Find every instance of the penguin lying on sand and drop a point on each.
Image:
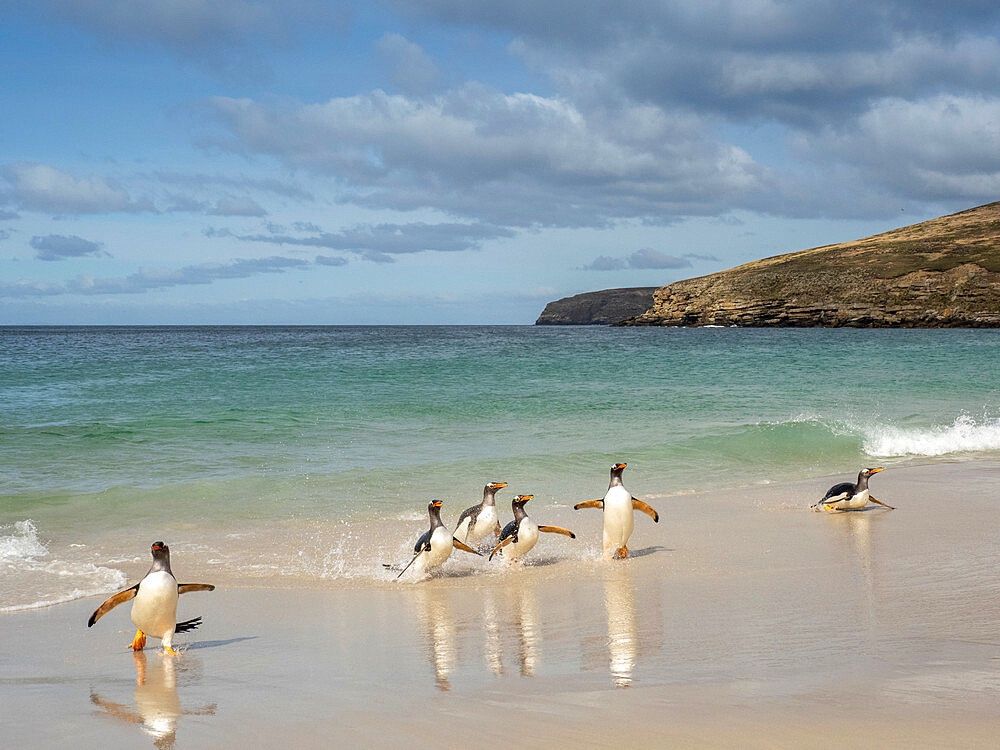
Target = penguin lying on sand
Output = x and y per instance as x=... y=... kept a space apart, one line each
x=850 y=496
x=154 y=609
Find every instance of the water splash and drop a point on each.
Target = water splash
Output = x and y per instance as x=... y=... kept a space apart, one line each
x=965 y=435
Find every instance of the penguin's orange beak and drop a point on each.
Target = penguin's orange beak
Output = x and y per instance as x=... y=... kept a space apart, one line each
x=499 y=485
x=616 y=467
x=876 y=471
x=437 y=503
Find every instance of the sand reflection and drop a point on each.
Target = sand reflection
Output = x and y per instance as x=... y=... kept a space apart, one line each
x=511 y=612
x=438 y=621
x=623 y=638
x=157 y=705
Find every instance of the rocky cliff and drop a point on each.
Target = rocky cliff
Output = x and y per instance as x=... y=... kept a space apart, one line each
x=942 y=273
x=597 y=308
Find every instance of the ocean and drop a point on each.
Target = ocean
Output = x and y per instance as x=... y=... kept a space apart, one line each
x=310 y=453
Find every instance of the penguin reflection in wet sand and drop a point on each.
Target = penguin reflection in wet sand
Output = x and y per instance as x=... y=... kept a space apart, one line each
x=479 y=520
x=521 y=534
x=619 y=522
x=154 y=609
x=850 y=496
x=435 y=545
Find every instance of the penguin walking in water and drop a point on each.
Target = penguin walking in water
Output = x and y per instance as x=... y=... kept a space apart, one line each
x=521 y=534
x=154 y=609
x=850 y=496
x=619 y=522
x=479 y=520
x=435 y=545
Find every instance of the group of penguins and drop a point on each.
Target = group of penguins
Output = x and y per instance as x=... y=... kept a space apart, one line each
x=520 y=535
x=154 y=598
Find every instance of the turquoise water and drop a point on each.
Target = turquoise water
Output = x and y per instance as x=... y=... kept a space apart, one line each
x=233 y=427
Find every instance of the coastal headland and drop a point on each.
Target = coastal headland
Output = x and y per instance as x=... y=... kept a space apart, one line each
x=942 y=273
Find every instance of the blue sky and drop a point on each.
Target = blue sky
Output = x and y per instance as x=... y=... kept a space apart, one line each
x=460 y=161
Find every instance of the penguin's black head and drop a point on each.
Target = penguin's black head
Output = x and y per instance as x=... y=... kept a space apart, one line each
x=868 y=472
x=521 y=499
x=160 y=550
x=617 y=469
x=494 y=486
x=435 y=506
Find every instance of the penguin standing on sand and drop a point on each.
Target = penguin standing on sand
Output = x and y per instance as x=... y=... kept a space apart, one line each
x=619 y=522
x=521 y=534
x=850 y=496
x=434 y=545
x=154 y=609
x=479 y=520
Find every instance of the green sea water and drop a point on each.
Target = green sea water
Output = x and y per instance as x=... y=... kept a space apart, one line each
x=245 y=427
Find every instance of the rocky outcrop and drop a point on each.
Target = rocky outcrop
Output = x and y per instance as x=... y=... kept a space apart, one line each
x=943 y=273
x=597 y=308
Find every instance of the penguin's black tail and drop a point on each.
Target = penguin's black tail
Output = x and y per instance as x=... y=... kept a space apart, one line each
x=183 y=627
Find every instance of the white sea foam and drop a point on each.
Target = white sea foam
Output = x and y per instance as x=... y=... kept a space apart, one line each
x=965 y=435
x=33 y=579
x=22 y=544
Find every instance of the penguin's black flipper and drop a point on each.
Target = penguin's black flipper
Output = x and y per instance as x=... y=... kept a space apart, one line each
x=183 y=627
x=183 y=588
x=645 y=508
x=589 y=504
x=109 y=604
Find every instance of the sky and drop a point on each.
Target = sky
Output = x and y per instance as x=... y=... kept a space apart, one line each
x=464 y=161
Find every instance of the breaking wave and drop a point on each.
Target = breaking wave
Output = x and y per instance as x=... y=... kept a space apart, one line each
x=965 y=435
x=32 y=578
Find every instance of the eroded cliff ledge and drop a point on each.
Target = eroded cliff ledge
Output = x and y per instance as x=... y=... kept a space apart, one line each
x=943 y=273
x=597 y=308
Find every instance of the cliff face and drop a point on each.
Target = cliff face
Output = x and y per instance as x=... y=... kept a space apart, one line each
x=597 y=308
x=937 y=274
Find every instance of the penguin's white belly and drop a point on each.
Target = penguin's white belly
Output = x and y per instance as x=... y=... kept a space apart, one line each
x=441 y=546
x=527 y=537
x=619 y=520
x=154 y=609
x=855 y=501
x=485 y=524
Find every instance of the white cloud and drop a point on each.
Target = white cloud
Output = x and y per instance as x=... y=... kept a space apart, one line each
x=39 y=187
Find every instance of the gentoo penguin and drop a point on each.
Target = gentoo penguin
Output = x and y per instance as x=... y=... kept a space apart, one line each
x=479 y=520
x=618 y=505
x=154 y=611
x=435 y=545
x=848 y=496
x=521 y=534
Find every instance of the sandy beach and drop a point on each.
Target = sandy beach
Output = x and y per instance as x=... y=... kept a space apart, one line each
x=742 y=620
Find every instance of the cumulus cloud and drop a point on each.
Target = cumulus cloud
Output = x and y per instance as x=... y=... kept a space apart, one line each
x=510 y=159
x=39 y=187
x=381 y=242
x=61 y=247
x=409 y=67
x=645 y=258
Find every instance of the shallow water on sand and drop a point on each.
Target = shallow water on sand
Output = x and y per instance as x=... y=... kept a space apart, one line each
x=312 y=452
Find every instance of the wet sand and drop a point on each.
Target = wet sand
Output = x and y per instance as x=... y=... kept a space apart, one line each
x=742 y=620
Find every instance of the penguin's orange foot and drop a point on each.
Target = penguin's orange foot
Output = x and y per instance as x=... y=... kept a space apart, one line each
x=139 y=642
x=169 y=650
x=622 y=553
